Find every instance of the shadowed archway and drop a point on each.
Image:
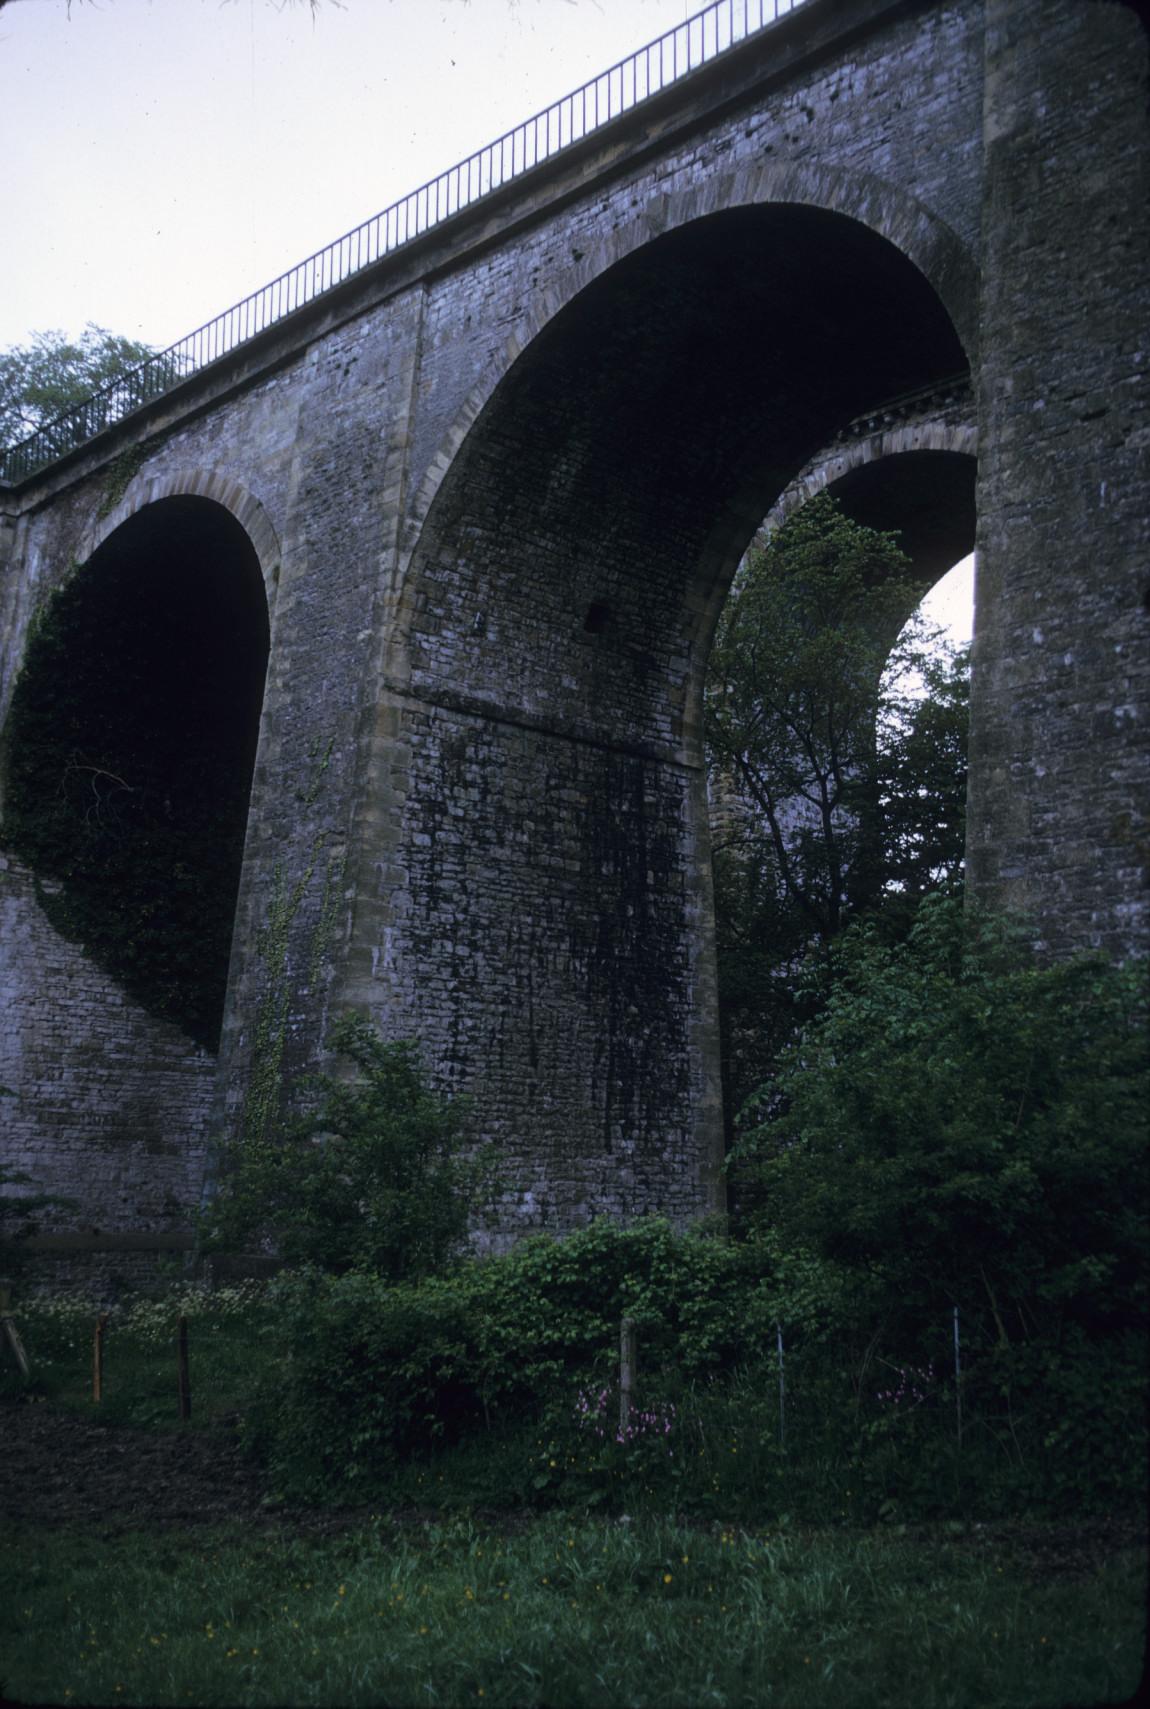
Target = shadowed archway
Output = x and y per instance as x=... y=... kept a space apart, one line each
x=130 y=750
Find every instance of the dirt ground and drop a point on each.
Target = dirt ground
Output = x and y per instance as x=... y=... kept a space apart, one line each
x=59 y=1469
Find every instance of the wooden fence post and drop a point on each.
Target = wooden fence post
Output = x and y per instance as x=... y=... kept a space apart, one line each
x=782 y=1389
x=183 y=1378
x=626 y=1374
x=98 y=1359
x=11 y=1333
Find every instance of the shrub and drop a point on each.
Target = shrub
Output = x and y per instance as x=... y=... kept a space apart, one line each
x=376 y=1178
x=965 y=1126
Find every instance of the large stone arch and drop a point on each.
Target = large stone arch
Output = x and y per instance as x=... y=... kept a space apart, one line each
x=110 y=1014
x=884 y=208
x=538 y=834
x=131 y=741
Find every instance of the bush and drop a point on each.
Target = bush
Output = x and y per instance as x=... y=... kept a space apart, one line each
x=377 y=1178
x=963 y=1126
x=375 y=1371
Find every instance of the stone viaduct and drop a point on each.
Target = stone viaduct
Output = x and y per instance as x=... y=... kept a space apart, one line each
x=412 y=594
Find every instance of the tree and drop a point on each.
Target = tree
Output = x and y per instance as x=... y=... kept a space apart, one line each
x=962 y=1125
x=836 y=790
x=52 y=374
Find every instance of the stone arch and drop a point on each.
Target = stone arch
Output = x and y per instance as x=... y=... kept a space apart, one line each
x=564 y=560
x=828 y=467
x=145 y=489
x=886 y=209
x=914 y=477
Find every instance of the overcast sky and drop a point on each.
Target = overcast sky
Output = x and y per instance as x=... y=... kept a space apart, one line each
x=163 y=158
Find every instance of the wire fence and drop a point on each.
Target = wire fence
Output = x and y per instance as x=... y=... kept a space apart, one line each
x=628 y=84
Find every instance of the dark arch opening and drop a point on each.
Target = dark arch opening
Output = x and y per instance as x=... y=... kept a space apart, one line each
x=130 y=750
x=926 y=497
x=635 y=446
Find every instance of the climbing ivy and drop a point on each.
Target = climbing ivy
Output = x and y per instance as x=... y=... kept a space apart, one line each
x=121 y=471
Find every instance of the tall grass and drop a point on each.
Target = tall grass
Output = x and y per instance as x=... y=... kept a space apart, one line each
x=559 y=1613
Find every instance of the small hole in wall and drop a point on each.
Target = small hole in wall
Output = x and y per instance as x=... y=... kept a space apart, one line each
x=598 y=617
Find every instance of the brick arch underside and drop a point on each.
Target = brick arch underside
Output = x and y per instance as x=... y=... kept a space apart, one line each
x=114 y=1097
x=555 y=935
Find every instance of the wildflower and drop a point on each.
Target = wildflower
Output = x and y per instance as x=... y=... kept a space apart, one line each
x=667 y=1578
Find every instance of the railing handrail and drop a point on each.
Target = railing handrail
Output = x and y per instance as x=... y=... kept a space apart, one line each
x=516 y=152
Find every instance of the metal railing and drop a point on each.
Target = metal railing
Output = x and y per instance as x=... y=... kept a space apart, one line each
x=694 y=43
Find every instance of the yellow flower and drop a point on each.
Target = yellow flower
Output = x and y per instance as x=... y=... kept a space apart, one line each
x=667 y=1578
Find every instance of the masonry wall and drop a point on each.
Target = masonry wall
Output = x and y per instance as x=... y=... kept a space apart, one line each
x=1060 y=758
x=126 y=1147
x=497 y=493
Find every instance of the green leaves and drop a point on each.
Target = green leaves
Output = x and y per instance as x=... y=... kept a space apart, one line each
x=836 y=789
x=969 y=1124
x=41 y=380
x=377 y=1177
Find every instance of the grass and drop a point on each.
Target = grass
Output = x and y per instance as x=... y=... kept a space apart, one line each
x=552 y=1611
x=559 y=1613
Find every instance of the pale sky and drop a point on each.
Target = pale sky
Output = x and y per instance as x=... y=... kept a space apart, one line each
x=163 y=158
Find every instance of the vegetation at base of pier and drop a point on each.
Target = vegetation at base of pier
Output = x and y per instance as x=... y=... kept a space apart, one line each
x=375 y=1177
x=811 y=1366
x=954 y=1148
x=807 y=1487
